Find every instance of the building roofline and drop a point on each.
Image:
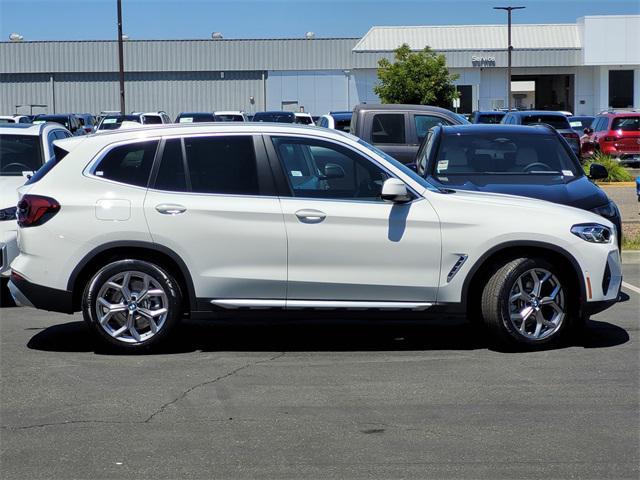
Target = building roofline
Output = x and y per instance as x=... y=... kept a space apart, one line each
x=221 y=40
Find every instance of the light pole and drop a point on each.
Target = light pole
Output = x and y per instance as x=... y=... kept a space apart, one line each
x=120 y=58
x=509 y=49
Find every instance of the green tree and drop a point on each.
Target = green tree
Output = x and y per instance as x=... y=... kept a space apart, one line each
x=418 y=78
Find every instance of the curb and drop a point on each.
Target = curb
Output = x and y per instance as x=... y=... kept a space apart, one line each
x=631 y=257
x=616 y=184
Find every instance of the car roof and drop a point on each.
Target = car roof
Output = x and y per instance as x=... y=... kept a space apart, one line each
x=274 y=112
x=482 y=128
x=28 y=128
x=490 y=112
x=523 y=113
x=400 y=106
x=249 y=128
x=621 y=114
x=581 y=116
x=195 y=113
x=340 y=115
x=228 y=112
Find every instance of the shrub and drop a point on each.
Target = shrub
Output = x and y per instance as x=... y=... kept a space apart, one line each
x=616 y=172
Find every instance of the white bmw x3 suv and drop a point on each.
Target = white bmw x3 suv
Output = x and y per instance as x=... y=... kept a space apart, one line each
x=141 y=228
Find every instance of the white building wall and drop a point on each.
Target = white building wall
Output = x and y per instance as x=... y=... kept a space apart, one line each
x=317 y=91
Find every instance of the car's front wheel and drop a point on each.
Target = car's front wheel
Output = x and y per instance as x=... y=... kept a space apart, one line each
x=132 y=304
x=527 y=302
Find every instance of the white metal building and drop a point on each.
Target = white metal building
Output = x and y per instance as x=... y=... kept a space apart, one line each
x=585 y=67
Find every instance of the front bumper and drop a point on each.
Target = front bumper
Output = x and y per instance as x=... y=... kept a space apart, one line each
x=29 y=294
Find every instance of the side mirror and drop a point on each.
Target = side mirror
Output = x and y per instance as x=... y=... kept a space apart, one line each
x=332 y=170
x=394 y=190
x=597 y=171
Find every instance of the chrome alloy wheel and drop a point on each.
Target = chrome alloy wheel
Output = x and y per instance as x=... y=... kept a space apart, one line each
x=131 y=307
x=537 y=304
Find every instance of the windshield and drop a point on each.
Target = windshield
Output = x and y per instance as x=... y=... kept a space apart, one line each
x=229 y=118
x=196 y=118
x=274 y=117
x=50 y=118
x=406 y=170
x=502 y=153
x=113 y=123
x=491 y=118
x=343 y=125
x=19 y=153
x=626 y=124
x=580 y=123
x=304 y=120
x=556 y=121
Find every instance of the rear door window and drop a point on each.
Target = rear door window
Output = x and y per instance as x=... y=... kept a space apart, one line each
x=425 y=122
x=222 y=164
x=388 y=128
x=626 y=124
x=130 y=163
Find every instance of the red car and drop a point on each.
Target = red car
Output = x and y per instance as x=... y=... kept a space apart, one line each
x=616 y=134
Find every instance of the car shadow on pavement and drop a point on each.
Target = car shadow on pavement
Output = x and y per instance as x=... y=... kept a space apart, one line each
x=315 y=335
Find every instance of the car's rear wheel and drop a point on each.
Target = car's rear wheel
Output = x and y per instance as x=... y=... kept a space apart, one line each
x=528 y=302
x=132 y=304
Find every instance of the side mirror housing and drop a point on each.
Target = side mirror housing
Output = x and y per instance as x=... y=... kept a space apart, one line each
x=333 y=170
x=597 y=171
x=394 y=190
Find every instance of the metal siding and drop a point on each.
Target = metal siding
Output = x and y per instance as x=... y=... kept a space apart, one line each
x=172 y=92
x=470 y=37
x=176 y=55
x=24 y=89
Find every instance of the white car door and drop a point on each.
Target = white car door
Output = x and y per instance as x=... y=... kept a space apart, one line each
x=345 y=244
x=209 y=203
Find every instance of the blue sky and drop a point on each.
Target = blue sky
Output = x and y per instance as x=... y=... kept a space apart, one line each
x=160 y=19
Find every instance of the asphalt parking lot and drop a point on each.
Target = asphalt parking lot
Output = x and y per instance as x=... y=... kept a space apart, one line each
x=296 y=399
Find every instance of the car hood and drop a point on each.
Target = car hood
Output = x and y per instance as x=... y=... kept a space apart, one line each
x=9 y=185
x=579 y=193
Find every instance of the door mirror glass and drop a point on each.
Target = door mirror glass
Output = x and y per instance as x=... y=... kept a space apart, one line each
x=333 y=170
x=394 y=190
x=597 y=171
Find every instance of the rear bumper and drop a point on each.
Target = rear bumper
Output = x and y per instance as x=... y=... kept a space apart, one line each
x=29 y=294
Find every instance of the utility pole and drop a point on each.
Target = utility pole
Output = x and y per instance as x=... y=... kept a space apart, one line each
x=509 y=48
x=121 y=58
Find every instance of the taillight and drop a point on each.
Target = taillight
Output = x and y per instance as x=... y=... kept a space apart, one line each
x=611 y=139
x=34 y=210
x=571 y=135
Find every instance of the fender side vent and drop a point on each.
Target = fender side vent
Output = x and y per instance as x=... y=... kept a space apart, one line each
x=457 y=266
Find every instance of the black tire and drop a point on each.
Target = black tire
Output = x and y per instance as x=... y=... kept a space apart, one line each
x=495 y=305
x=158 y=275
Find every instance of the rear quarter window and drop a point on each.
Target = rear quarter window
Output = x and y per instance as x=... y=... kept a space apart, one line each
x=130 y=164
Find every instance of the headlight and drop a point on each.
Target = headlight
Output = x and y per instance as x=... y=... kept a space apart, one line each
x=592 y=232
x=608 y=211
x=8 y=214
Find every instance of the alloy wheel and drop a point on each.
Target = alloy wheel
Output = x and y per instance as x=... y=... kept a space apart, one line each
x=537 y=304
x=131 y=307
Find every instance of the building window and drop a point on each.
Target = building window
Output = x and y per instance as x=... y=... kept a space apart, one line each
x=621 y=88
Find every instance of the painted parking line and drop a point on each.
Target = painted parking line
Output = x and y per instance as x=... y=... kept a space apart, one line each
x=633 y=288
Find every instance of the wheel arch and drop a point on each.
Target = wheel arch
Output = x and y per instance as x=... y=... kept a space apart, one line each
x=138 y=250
x=484 y=266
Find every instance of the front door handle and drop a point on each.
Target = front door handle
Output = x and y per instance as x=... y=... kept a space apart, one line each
x=171 y=208
x=310 y=216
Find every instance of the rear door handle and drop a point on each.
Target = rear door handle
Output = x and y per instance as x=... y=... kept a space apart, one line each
x=171 y=209
x=310 y=216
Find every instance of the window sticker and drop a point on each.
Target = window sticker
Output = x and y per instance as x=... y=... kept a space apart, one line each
x=110 y=120
x=296 y=173
x=186 y=120
x=567 y=173
x=443 y=165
